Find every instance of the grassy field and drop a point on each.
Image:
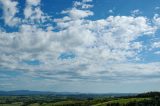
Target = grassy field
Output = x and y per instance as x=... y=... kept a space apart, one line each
x=122 y=101
x=64 y=103
x=13 y=104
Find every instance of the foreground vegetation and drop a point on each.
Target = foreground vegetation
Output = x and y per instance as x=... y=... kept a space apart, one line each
x=146 y=99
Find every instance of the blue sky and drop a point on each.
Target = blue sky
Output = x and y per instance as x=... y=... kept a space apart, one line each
x=92 y=46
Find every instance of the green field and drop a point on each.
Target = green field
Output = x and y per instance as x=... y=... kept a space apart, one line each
x=119 y=101
x=13 y=104
x=122 y=101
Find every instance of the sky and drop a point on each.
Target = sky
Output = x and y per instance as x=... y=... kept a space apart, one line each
x=88 y=46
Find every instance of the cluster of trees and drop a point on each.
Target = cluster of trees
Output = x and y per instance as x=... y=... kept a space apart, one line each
x=135 y=103
x=154 y=100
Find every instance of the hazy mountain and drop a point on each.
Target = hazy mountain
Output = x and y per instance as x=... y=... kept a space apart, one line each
x=28 y=92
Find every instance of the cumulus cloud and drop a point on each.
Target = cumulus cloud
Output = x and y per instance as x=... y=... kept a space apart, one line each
x=76 y=13
x=83 y=5
x=32 y=11
x=101 y=49
x=10 y=10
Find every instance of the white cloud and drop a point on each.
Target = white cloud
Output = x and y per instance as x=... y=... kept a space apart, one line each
x=86 y=6
x=33 y=2
x=82 y=5
x=137 y=45
x=76 y=13
x=10 y=10
x=76 y=4
x=86 y=0
x=156 y=45
x=110 y=11
x=156 y=20
x=33 y=11
x=136 y=12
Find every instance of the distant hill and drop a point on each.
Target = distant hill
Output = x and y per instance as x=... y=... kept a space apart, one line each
x=149 y=94
x=23 y=92
x=72 y=94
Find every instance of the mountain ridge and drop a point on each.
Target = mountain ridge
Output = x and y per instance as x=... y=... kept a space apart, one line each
x=30 y=92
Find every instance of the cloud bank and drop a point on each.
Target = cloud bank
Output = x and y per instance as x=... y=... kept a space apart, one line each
x=77 y=48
